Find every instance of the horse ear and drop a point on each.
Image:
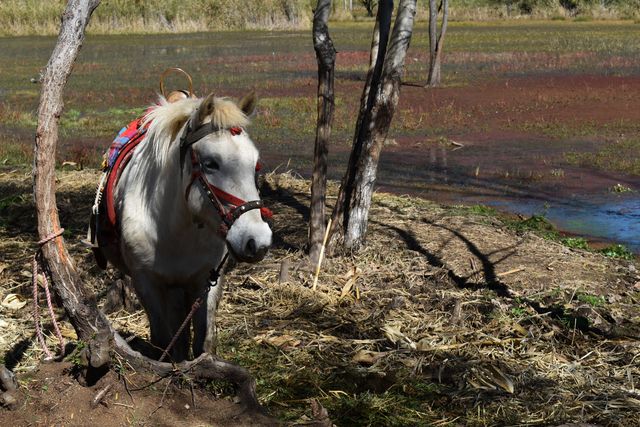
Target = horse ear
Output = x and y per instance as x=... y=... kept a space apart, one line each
x=206 y=108
x=248 y=103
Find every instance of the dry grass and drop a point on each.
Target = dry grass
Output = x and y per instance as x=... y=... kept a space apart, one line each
x=447 y=316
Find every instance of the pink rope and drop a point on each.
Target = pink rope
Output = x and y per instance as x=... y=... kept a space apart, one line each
x=36 y=309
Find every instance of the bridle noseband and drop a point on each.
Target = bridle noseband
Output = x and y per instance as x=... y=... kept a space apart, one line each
x=216 y=195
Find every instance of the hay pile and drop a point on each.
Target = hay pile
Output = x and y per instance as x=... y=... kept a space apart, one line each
x=446 y=317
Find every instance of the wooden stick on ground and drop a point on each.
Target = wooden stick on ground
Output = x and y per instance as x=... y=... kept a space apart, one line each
x=506 y=273
x=321 y=256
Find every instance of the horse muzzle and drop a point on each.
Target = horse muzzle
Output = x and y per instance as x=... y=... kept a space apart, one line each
x=249 y=241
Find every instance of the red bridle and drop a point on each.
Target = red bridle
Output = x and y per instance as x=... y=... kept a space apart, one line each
x=220 y=197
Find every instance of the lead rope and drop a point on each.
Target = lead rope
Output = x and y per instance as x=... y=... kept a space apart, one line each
x=36 y=309
x=99 y=191
x=214 y=276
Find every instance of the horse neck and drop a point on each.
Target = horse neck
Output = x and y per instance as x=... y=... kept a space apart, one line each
x=163 y=193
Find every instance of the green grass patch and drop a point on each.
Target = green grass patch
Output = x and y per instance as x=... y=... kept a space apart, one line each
x=287 y=379
x=538 y=224
x=479 y=210
x=617 y=251
x=518 y=312
x=592 y=300
x=575 y=242
x=621 y=156
x=14 y=153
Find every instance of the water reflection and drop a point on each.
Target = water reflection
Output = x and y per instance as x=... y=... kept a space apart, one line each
x=509 y=177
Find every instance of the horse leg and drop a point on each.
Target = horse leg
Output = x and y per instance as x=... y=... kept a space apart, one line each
x=175 y=312
x=152 y=298
x=204 y=322
x=165 y=310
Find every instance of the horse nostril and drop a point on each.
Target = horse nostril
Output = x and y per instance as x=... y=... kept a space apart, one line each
x=251 y=249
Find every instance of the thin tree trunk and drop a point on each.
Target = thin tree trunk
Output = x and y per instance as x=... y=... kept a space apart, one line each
x=433 y=36
x=379 y=40
x=326 y=56
x=90 y=324
x=379 y=100
x=436 y=41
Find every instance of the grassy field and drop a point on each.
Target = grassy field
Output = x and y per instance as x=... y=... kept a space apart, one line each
x=539 y=105
x=35 y=17
x=116 y=76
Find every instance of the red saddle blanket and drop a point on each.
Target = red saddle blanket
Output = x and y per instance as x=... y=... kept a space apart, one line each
x=105 y=230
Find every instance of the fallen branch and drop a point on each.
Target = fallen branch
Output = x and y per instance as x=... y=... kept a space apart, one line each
x=99 y=397
x=8 y=385
x=205 y=367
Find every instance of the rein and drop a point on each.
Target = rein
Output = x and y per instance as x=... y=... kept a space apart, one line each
x=216 y=195
x=214 y=276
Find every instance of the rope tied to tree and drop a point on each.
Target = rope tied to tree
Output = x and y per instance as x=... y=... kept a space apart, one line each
x=37 y=259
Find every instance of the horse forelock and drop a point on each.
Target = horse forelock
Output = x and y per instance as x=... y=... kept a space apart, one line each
x=167 y=119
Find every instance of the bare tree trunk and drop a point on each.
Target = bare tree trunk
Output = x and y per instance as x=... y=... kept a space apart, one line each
x=433 y=36
x=436 y=41
x=379 y=100
x=326 y=56
x=90 y=324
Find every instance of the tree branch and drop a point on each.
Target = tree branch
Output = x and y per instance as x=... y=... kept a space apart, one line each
x=205 y=367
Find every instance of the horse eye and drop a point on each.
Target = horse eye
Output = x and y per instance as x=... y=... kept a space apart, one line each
x=211 y=164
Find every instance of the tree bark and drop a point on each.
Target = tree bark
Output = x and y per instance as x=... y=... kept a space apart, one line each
x=91 y=325
x=326 y=56
x=379 y=100
x=436 y=41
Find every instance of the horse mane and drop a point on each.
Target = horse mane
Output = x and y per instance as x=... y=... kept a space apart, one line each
x=166 y=119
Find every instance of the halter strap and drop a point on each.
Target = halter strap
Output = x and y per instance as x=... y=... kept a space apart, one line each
x=191 y=136
x=217 y=196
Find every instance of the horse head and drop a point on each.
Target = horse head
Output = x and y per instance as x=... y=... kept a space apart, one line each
x=219 y=163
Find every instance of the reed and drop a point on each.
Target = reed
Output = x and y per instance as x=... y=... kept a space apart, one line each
x=37 y=17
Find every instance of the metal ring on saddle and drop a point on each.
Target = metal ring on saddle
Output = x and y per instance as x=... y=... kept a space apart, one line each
x=176 y=70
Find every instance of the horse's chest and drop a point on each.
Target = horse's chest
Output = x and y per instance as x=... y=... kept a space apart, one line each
x=186 y=260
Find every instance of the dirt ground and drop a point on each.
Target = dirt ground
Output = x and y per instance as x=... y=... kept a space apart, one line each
x=51 y=396
x=449 y=316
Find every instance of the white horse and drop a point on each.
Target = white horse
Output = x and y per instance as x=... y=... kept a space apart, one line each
x=181 y=204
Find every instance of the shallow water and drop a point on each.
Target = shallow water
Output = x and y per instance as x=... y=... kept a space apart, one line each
x=613 y=218
x=527 y=176
x=522 y=177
